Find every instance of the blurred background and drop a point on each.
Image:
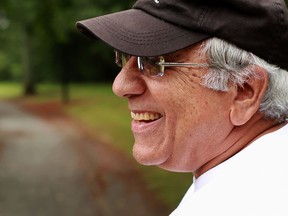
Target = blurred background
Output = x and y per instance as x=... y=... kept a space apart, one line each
x=61 y=127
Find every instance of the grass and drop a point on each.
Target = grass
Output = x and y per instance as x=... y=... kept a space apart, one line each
x=104 y=113
x=9 y=90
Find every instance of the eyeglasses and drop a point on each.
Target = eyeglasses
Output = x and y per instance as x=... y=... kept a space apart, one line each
x=151 y=66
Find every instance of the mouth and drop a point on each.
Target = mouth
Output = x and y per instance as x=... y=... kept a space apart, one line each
x=145 y=117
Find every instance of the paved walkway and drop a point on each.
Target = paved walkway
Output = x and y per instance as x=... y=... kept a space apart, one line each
x=48 y=170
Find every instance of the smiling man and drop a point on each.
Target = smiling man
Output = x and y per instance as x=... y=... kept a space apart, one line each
x=207 y=87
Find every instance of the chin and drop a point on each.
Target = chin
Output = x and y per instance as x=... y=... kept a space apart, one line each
x=174 y=168
x=149 y=156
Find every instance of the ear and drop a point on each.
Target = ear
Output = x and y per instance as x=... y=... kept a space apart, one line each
x=248 y=97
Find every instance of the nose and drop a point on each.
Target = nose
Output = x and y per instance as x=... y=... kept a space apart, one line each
x=129 y=81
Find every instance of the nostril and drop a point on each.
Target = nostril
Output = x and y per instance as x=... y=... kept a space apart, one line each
x=127 y=95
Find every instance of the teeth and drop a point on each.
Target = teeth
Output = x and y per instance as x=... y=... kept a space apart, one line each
x=145 y=116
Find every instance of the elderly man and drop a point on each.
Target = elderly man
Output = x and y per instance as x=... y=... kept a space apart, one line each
x=207 y=86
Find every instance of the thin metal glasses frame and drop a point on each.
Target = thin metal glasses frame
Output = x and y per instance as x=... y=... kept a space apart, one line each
x=152 y=66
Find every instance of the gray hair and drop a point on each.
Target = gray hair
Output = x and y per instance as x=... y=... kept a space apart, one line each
x=229 y=64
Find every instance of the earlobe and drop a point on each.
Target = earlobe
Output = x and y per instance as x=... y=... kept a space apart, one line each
x=248 y=97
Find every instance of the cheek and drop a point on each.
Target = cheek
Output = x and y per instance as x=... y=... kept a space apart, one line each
x=184 y=107
x=197 y=123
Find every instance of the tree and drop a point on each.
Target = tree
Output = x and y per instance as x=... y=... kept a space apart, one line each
x=21 y=17
x=48 y=44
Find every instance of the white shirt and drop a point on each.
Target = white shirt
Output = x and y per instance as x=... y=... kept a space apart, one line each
x=254 y=182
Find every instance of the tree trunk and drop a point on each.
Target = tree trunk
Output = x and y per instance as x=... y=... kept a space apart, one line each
x=28 y=79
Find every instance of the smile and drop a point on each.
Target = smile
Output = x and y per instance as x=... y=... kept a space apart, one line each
x=145 y=116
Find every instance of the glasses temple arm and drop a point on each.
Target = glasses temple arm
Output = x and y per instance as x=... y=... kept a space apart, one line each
x=175 y=64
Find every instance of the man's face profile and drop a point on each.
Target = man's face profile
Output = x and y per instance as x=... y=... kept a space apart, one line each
x=177 y=123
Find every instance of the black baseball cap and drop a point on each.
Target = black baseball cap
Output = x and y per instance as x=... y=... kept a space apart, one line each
x=158 y=27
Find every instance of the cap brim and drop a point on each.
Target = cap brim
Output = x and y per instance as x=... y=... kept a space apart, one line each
x=137 y=33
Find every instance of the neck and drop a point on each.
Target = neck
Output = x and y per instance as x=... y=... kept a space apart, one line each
x=239 y=138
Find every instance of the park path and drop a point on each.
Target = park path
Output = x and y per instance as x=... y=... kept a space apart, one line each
x=49 y=168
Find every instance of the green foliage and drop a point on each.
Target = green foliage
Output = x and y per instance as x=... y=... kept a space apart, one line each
x=40 y=37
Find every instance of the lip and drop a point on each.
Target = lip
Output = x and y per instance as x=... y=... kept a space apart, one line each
x=138 y=127
x=145 y=127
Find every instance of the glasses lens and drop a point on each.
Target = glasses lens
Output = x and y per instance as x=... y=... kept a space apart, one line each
x=151 y=66
x=121 y=58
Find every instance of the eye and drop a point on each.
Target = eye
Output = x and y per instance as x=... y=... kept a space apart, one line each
x=121 y=58
x=152 y=66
